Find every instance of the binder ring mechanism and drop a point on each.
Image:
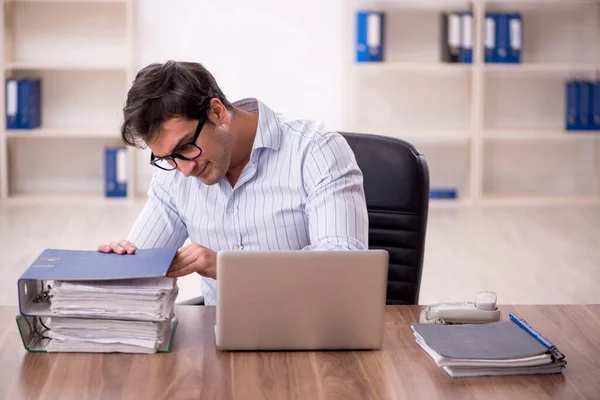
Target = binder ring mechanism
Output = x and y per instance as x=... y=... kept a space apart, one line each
x=38 y=330
x=44 y=295
x=37 y=327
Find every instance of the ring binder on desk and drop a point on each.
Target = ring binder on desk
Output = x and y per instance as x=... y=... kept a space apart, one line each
x=89 y=301
x=85 y=265
x=33 y=332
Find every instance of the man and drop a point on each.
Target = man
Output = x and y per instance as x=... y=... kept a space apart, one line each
x=235 y=176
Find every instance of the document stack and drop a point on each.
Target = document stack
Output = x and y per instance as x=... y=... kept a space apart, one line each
x=509 y=347
x=87 y=301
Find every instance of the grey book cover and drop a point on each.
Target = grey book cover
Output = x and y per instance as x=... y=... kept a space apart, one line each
x=492 y=341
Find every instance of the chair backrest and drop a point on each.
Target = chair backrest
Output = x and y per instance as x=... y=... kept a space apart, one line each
x=396 y=182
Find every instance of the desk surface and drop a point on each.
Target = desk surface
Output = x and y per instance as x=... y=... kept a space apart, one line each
x=195 y=369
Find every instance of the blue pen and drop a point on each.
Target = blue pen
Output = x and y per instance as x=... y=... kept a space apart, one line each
x=557 y=355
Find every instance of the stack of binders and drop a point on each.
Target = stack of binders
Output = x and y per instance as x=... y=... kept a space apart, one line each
x=457 y=37
x=503 y=38
x=509 y=347
x=582 y=111
x=87 y=301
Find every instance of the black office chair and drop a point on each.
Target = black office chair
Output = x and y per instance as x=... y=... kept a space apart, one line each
x=396 y=182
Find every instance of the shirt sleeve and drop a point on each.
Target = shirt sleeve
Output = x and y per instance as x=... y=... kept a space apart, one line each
x=159 y=223
x=336 y=205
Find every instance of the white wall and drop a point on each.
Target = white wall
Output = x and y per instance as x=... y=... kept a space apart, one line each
x=287 y=53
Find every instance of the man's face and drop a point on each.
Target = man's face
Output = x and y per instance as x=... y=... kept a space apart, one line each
x=215 y=141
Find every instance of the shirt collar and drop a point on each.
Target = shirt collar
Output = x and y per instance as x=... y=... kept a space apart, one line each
x=268 y=132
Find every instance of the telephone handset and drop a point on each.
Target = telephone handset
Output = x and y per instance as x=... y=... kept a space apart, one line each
x=481 y=311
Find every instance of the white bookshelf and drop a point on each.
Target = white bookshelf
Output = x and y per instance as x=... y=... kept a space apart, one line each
x=493 y=131
x=83 y=51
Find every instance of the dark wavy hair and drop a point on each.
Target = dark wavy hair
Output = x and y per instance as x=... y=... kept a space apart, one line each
x=163 y=91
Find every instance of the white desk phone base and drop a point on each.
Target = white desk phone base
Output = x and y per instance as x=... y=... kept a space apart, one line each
x=482 y=311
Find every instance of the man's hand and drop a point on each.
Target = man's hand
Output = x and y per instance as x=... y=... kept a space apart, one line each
x=122 y=247
x=194 y=258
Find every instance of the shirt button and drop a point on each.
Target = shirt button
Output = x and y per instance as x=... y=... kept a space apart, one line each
x=236 y=247
x=231 y=210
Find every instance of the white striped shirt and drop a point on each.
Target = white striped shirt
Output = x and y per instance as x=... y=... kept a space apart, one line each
x=302 y=189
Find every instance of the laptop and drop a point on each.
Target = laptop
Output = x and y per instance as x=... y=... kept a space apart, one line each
x=301 y=300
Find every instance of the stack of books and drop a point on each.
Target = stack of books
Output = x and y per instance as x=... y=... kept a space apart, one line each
x=87 y=301
x=508 y=347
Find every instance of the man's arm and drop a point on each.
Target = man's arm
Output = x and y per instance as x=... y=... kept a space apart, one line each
x=159 y=224
x=336 y=206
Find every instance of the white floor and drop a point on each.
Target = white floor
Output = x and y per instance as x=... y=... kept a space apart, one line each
x=534 y=255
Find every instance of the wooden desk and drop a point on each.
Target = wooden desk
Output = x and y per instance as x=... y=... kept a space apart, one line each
x=195 y=369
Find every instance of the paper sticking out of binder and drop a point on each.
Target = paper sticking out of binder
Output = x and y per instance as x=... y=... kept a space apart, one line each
x=88 y=301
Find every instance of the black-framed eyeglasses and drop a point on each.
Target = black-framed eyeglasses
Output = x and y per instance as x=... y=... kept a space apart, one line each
x=188 y=152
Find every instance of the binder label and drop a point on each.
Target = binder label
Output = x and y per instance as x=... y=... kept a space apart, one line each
x=467 y=31
x=121 y=166
x=373 y=31
x=490 y=33
x=11 y=98
x=515 y=33
x=454 y=30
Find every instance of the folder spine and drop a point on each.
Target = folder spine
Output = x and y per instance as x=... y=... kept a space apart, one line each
x=572 y=105
x=369 y=36
x=595 y=124
x=515 y=38
x=443 y=193
x=490 y=37
x=115 y=174
x=502 y=38
x=585 y=105
x=466 y=42
x=451 y=37
x=23 y=103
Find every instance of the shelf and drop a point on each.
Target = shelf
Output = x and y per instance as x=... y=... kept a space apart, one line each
x=64 y=34
x=488 y=67
x=536 y=200
x=419 y=133
x=59 y=199
x=450 y=203
x=540 y=67
x=541 y=134
x=83 y=133
x=50 y=66
x=83 y=53
x=413 y=66
x=513 y=142
x=428 y=5
x=533 y=3
x=71 y=1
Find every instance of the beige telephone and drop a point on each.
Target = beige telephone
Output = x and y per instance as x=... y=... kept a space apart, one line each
x=481 y=311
